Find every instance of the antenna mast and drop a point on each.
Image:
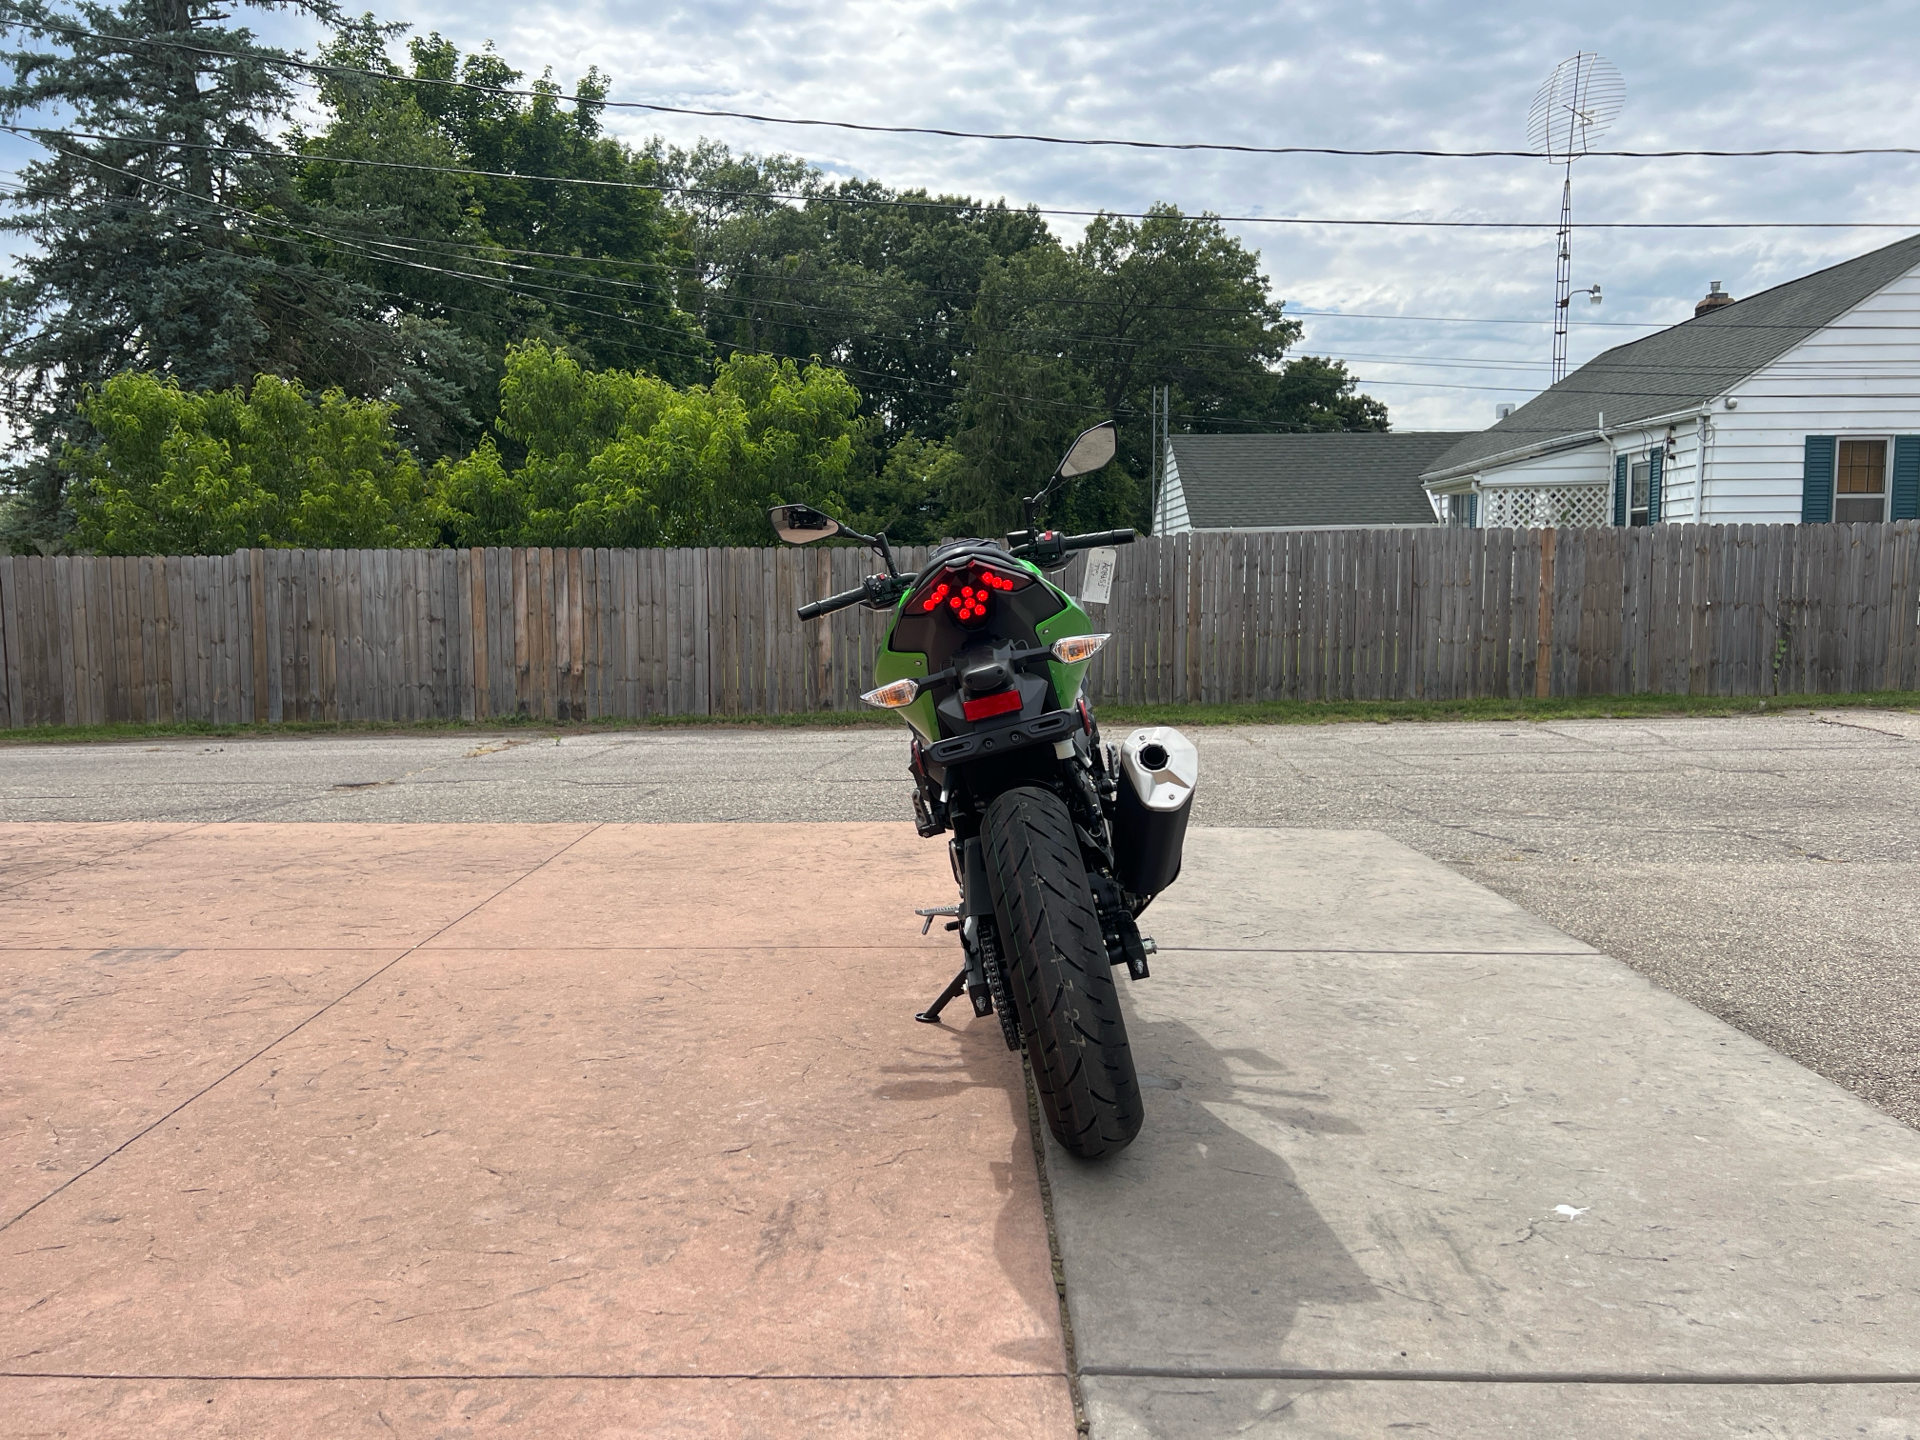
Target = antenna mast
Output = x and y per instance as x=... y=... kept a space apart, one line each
x=1581 y=98
x=1563 y=278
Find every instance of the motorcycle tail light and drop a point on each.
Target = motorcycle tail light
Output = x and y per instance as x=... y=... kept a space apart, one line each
x=892 y=697
x=965 y=592
x=1006 y=702
x=1076 y=648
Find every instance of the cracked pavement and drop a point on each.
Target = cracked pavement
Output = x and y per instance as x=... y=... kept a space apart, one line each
x=1763 y=868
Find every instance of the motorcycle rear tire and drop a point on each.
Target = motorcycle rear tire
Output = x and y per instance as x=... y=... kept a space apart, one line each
x=1062 y=977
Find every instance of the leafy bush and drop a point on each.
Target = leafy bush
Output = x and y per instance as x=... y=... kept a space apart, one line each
x=617 y=458
x=168 y=471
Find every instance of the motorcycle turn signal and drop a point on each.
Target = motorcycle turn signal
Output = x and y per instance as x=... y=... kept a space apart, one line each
x=1076 y=648
x=892 y=697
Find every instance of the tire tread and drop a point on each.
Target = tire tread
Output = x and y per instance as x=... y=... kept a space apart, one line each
x=1050 y=933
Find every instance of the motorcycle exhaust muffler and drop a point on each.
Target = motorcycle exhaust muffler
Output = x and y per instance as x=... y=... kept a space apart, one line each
x=1158 y=770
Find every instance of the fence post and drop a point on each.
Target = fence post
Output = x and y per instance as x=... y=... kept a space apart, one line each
x=1543 y=652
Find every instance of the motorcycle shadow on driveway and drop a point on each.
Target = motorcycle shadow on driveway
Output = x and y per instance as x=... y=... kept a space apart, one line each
x=1196 y=1247
x=968 y=1064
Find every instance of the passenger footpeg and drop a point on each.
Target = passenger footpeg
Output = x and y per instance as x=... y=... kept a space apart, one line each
x=933 y=912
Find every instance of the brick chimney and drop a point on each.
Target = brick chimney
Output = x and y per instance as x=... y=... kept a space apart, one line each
x=1713 y=299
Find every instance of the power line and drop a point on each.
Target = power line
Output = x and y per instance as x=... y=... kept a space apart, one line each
x=600 y=102
x=509 y=287
x=627 y=319
x=951 y=206
x=365 y=247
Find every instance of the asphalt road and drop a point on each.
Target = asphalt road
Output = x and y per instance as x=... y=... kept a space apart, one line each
x=1766 y=869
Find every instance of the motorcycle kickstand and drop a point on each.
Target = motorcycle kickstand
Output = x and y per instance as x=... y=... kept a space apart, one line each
x=931 y=1015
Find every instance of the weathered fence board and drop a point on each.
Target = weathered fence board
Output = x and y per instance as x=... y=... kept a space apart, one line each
x=577 y=634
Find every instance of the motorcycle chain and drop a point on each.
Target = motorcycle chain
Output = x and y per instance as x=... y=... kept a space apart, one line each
x=997 y=986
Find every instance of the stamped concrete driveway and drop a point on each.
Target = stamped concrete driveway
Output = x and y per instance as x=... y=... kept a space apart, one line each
x=567 y=1130
x=1765 y=869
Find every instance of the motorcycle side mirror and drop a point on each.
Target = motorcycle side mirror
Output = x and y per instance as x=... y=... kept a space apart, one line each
x=802 y=524
x=1093 y=449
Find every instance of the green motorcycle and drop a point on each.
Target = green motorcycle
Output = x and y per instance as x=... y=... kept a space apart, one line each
x=1058 y=842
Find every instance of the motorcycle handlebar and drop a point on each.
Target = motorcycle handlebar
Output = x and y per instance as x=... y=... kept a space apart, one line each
x=1048 y=549
x=841 y=601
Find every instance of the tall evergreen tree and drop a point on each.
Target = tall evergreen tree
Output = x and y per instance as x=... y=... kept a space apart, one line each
x=168 y=236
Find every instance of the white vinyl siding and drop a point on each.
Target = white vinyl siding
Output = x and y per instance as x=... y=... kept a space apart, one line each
x=1577 y=465
x=1860 y=376
x=1172 y=504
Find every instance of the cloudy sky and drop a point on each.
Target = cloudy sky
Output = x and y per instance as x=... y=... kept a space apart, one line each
x=1456 y=75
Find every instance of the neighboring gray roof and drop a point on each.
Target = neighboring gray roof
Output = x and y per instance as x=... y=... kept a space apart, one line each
x=1343 y=477
x=1689 y=364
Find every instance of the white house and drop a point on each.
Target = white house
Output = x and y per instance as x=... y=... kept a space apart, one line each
x=1799 y=404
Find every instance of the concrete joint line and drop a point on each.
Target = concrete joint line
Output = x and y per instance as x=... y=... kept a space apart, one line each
x=496 y=1377
x=99 y=859
x=1490 y=1377
x=346 y=994
x=1081 y=1423
x=1298 y=950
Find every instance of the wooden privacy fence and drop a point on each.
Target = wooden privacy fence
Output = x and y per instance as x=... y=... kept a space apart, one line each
x=275 y=635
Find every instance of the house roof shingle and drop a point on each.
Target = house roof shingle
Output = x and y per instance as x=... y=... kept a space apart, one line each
x=1689 y=364
x=1347 y=477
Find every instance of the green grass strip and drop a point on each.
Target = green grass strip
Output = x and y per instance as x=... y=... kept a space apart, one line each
x=1274 y=712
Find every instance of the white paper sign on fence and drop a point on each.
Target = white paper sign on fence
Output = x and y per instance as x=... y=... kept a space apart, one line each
x=1097 y=584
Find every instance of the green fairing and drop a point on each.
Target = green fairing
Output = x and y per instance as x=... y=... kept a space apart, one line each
x=1070 y=621
x=891 y=665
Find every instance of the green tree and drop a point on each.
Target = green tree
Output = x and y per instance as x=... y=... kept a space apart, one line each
x=169 y=236
x=1060 y=339
x=878 y=281
x=170 y=471
x=618 y=457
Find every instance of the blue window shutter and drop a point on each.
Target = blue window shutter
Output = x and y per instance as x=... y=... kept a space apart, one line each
x=1654 y=460
x=1473 y=511
x=1816 y=481
x=1620 y=490
x=1906 y=477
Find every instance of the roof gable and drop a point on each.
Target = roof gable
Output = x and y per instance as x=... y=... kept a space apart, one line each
x=1690 y=363
x=1268 y=482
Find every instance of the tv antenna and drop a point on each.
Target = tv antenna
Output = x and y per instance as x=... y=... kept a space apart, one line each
x=1581 y=98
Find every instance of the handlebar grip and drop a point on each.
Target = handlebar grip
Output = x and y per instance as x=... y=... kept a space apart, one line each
x=1104 y=537
x=841 y=601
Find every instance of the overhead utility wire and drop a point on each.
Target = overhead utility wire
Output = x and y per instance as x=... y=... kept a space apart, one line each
x=371 y=246
x=511 y=288
x=362 y=245
x=599 y=102
x=830 y=199
x=508 y=288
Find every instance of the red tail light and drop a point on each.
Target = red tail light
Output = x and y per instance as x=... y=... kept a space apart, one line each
x=988 y=705
x=965 y=591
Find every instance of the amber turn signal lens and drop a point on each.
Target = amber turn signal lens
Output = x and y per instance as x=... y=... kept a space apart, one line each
x=892 y=697
x=1076 y=648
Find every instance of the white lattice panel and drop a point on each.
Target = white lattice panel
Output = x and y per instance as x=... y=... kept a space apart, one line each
x=1556 y=505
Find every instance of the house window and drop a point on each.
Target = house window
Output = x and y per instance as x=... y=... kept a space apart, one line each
x=1639 y=490
x=1860 y=482
x=1461 y=508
